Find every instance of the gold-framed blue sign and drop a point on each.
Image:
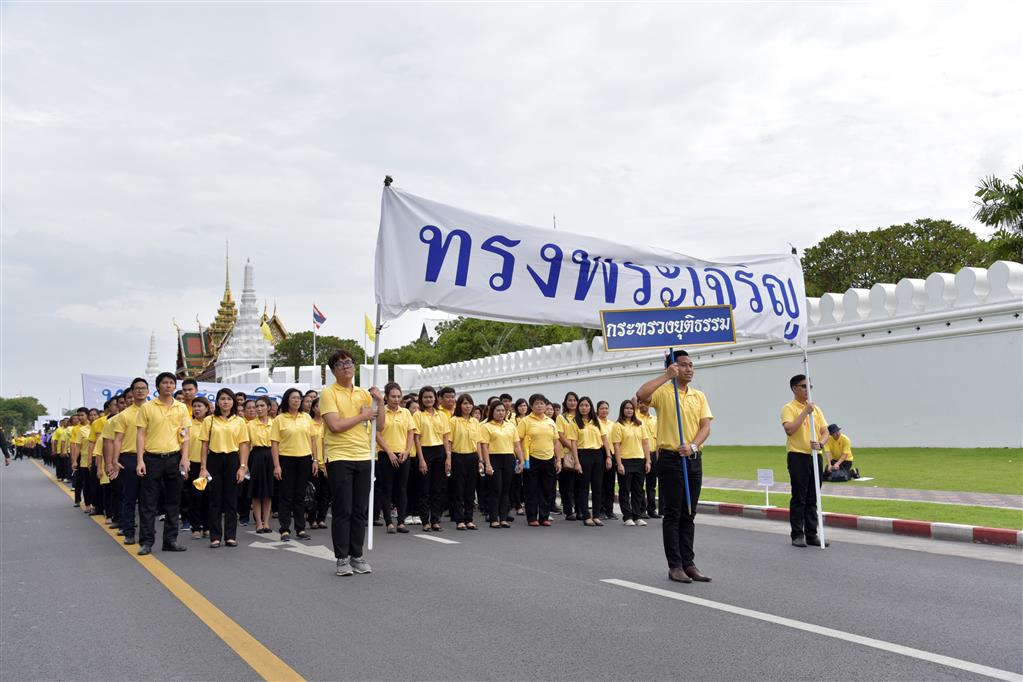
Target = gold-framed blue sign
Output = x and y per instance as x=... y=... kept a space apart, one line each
x=645 y=328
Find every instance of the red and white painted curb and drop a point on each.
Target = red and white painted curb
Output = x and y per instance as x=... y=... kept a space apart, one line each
x=878 y=524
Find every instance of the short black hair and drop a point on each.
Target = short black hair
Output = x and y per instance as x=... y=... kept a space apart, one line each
x=337 y=356
x=506 y=396
x=390 y=386
x=263 y=399
x=447 y=390
x=189 y=382
x=178 y=393
x=165 y=375
x=796 y=379
x=675 y=355
x=537 y=396
x=136 y=380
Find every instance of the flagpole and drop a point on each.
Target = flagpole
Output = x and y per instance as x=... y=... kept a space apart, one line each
x=317 y=382
x=681 y=435
x=813 y=453
x=372 y=436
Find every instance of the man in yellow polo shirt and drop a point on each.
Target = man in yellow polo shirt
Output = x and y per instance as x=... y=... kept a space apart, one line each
x=674 y=453
x=124 y=460
x=162 y=437
x=839 y=449
x=804 y=453
x=347 y=411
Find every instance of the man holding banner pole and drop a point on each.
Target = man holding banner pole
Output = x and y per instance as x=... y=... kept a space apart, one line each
x=806 y=431
x=681 y=410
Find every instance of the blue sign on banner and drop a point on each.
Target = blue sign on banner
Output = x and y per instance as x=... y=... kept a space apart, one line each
x=642 y=328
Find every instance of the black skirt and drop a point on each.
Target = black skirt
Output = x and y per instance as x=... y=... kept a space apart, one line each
x=261 y=470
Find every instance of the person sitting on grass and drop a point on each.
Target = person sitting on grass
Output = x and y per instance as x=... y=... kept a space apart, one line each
x=839 y=450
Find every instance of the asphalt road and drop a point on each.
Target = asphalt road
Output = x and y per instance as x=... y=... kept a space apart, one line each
x=524 y=603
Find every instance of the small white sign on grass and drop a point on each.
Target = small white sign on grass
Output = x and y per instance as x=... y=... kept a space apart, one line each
x=765 y=477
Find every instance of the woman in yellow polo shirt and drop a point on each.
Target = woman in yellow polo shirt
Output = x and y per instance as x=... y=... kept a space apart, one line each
x=292 y=448
x=517 y=495
x=464 y=463
x=568 y=479
x=198 y=505
x=607 y=491
x=502 y=459
x=433 y=443
x=543 y=455
x=632 y=457
x=317 y=515
x=394 y=447
x=592 y=452
x=224 y=456
x=261 y=465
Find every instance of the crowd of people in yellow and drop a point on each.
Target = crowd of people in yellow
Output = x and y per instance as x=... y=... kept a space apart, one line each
x=209 y=467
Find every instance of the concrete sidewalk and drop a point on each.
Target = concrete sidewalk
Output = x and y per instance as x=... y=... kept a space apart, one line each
x=866 y=491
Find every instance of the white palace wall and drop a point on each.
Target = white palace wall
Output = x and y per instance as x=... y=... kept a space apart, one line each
x=925 y=363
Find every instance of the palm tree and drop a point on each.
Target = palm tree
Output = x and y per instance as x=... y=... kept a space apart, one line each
x=1001 y=203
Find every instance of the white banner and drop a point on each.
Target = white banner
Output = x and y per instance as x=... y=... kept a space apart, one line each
x=98 y=388
x=430 y=255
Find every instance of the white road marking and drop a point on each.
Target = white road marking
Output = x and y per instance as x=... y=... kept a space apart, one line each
x=318 y=551
x=443 y=541
x=910 y=652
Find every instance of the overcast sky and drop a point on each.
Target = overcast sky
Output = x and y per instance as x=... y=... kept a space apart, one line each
x=137 y=138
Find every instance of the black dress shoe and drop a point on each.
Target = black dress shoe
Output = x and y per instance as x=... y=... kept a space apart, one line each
x=129 y=539
x=377 y=522
x=815 y=541
x=174 y=548
x=694 y=573
x=678 y=574
x=799 y=541
x=145 y=549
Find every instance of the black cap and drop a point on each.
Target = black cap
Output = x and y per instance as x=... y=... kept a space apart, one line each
x=833 y=429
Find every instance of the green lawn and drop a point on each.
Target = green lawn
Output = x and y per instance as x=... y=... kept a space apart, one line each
x=986 y=470
x=921 y=511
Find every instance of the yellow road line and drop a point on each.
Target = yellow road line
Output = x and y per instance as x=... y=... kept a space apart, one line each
x=266 y=664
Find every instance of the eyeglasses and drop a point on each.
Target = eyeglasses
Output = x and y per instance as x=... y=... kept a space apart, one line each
x=344 y=364
x=803 y=386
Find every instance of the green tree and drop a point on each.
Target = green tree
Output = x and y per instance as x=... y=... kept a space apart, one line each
x=18 y=415
x=297 y=350
x=887 y=254
x=1000 y=206
x=467 y=338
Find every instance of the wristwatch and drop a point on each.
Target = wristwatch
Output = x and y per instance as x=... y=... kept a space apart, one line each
x=695 y=449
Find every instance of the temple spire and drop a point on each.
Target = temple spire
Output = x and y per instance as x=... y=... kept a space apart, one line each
x=227 y=269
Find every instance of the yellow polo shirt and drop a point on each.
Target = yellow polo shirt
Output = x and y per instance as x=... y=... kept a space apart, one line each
x=259 y=433
x=164 y=425
x=629 y=438
x=317 y=431
x=127 y=424
x=800 y=440
x=432 y=427
x=537 y=436
x=224 y=435
x=650 y=424
x=84 y=452
x=500 y=438
x=396 y=428
x=694 y=408
x=98 y=427
x=465 y=434
x=292 y=434
x=567 y=427
x=58 y=439
x=589 y=437
x=194 y=444
x=836 y=447
x=353 y=445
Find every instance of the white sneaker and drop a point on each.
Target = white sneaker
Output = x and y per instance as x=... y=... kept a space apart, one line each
x=641 y=522
x=630 y=522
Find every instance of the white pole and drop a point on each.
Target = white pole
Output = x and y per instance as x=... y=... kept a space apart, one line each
x=767 y=496
x=813 y=454
x=316 y=383
x=372 y=437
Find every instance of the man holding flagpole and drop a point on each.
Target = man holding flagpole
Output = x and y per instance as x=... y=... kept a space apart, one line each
x=674 y=453
x=801 y=418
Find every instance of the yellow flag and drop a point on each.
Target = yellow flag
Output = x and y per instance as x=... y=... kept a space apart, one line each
x=266 y=332
x=371 y=332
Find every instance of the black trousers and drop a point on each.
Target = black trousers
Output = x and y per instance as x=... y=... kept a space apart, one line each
x=630 y=489
x=803 y=504
x=568 y=485
x=129 y=491
x=540 y=489
x=115 y=501
x=244 y=504
x=81 y=479
x=499 y=495
x=222 y=495
x=162 y=476
x=651 y=486
x=592 y=478
x=517 y=494
x=95 y=490
x=607 y=486
x=198 y=503
x=319 y=514
x=295 y=473
x=432 y=485
x=391 y=487
x=465 y=469
x=677 y=527
x=349 y=489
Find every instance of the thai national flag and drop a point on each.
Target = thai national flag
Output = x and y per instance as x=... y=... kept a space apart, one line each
x=318 y=317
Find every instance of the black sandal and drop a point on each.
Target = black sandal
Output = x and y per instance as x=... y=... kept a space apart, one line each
x=215 y=544
x=231 y=543
x=302 y=535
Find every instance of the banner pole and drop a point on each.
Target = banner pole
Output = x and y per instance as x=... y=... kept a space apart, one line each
x=813 y=453
x=681 y=435
x=316 y=384
x=372 y=438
